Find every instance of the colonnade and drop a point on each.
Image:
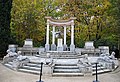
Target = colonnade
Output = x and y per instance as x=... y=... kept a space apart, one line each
x=59 y=23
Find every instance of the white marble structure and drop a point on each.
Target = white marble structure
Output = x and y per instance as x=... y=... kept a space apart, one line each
x=28 y=43
x=85 y=65
x=12 y=47
x=104 y=49
x=16 y=59
x=108 y=61
x=10 y=56
x=59 y=23
x=89 y=45
x=60 y=45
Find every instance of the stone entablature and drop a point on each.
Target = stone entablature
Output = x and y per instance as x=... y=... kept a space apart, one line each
x=60 y=22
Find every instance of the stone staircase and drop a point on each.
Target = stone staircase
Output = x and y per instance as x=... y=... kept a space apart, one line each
x=73 y=70
x=60 y=55
x=62 y=67
x=31 y=67
x=66 y=70
x=100 y=69
x=9 y=65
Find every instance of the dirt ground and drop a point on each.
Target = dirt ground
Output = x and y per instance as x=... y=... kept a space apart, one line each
x=8 y=75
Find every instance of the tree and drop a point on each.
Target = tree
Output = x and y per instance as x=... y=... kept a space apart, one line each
x=115 y=12
x=28 y=19
x=5 y=38
x=93 y=20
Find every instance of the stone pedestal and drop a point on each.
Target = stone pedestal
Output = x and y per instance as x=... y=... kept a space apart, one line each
x=28 y=43
x=60 y=45
x=13 y=47
x=53 y=47
x=47 y=47
x=65 y=48
x=89 y=45
x=72 y=47
x=88 y=71
x=104 y=49
x=47 y=70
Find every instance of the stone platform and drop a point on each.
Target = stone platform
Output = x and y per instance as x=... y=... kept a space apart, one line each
x=60 y=67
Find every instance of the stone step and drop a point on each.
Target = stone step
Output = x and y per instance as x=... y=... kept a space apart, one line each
x=31 y=68
x=35 y=62
x=98 y=68
x=66 y=71
x=67 y=74
x=101 y=71
x=65 y=64
x=29 y=71
x=94 y=65
x=66 y=67
x=9 y=65
x=65 y=57
x=33 y=65
x=60 y=55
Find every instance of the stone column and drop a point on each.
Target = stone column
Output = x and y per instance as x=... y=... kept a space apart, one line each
x=53 y=46
x=47 y=37
x=64 y=46
x=72 y=46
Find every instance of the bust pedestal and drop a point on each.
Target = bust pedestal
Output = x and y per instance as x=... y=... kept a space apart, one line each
x=72 y=47
x=60 y=45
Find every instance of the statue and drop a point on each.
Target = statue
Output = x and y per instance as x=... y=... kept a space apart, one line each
x=108 y=61
x=16 y=58
x=84 y=61
x=112 y=56
x=57 y=34
x=20 y=61
x=10 y=56
x=84 y=64
x=48 y=59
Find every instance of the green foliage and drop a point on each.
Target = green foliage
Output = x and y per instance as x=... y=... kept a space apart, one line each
x=28 y=19
x=93 y=22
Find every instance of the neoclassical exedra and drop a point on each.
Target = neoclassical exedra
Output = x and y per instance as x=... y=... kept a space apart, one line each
x=59 y=23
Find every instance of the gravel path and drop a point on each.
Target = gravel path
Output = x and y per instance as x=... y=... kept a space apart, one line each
x=8 y=75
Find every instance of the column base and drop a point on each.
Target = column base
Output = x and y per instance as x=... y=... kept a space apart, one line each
x=47 y=47
x=53 y=47
x=72 y=47
x=65 y=48
x=59 y=48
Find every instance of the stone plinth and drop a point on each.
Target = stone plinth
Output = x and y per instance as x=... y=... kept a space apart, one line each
x=60 y=45
x=47 y=47
x=72 y=47
x=28 y=43
x=104 y=49
x=89 y=45
x=65 y=47
x=13 y=47
x=47 y=70
x=53 y=47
